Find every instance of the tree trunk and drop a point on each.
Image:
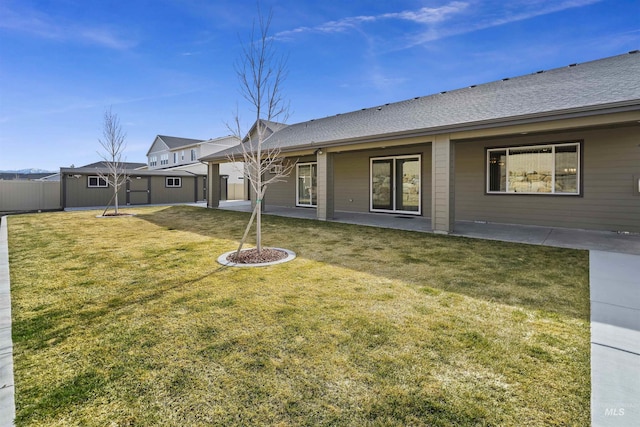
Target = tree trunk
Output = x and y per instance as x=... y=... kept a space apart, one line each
x=259 y=225
x=115 y=196
x=256 y=211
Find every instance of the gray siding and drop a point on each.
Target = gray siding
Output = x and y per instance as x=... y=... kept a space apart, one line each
x=351 y=182
x=284 y=193
x=610 y=198
x=77 y=193
x=351 y=179
x=160 y=194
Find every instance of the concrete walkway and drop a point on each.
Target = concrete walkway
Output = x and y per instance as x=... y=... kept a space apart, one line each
x=7 y=402
x=615 y=338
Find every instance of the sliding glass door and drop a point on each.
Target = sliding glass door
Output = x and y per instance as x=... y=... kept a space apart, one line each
x=395 y=184
x=306 y=183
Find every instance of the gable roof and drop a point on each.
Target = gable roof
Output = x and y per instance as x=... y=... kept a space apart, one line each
x=223 y=141
x=595 y=86
x=174 y=142
x=270 y=128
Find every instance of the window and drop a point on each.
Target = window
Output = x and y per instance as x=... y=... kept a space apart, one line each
x=96 y=182
x=175 y=157
x=182 y=155
x=173 y=182
x=538 y=169
x=307 y=184
x=395 y=184
x=164 y=159
x=193 y=155
x=153 y=161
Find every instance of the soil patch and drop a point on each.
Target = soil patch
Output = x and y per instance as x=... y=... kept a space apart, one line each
x=252 y=256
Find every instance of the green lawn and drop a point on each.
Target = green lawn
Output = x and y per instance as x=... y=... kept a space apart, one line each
x=131 y=322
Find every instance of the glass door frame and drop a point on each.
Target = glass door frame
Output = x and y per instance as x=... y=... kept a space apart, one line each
x=313 y=178
x=396 y=183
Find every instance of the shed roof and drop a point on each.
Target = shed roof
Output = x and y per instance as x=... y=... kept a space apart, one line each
x=130 y=172
x=578 y=88
x=126 y=165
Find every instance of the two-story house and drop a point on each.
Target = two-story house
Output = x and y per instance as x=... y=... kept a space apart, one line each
x=182 y=154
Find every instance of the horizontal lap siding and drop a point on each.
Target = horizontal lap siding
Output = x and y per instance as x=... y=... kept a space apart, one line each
x=284 y=193
x=351 y=183
x=161 y=194
x=351 y=179
x=79 y=194
x=611 y=158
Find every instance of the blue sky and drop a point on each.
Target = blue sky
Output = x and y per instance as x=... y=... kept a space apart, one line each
x=166 y=66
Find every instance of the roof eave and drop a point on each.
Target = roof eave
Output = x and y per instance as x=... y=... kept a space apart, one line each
x=581 y=112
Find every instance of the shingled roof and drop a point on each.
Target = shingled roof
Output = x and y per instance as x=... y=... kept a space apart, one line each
x=175 y=142
x=586 y=88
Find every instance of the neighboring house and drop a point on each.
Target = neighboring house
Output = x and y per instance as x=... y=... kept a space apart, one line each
x=268 y=129
x=173 y=153
x=552 y=148
x=83 y=187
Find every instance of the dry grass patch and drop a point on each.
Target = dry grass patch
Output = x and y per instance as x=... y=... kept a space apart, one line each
x=130 y=321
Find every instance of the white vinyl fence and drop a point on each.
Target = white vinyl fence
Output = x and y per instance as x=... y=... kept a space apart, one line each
x=235 y=192
x=29 y=196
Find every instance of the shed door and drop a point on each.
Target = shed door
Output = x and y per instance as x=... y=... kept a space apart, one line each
x=138 y=190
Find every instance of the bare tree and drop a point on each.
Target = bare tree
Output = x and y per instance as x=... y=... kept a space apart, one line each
x=113 y=146
x=261 y=74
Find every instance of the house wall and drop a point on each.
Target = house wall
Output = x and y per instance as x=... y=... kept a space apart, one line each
x=76 y=193
x=284 y=193
x=610 y=198
x=160 y=194
x=157 y=149
x=352 y=179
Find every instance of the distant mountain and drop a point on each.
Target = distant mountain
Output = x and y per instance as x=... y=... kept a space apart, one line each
x=26 y=171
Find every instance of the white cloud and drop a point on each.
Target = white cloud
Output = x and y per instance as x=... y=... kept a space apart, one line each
x=453 y=18
x=37 y=24
x=488 y=15
x=424 y=15
x=429 y=15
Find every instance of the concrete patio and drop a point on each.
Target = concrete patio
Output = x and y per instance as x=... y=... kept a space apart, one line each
x=535 y=235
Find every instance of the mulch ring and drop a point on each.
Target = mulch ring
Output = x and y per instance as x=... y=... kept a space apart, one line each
x=252 y=256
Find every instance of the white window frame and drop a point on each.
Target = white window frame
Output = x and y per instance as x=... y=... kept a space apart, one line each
x=153 y=161
x=175 y=158
x=164 y=159
x=176 y=182
x=305 y=205
x=276 y=169
x=193 y=155
x=551 y=146
x=100 y=182
x=395 y=187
